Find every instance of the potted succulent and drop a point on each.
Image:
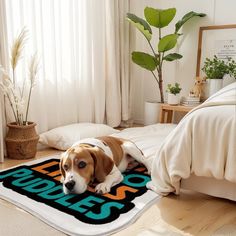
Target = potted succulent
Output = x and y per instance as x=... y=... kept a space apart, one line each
x=173 y=91
x=158 y=18
x=21 y=139
x=216 y=70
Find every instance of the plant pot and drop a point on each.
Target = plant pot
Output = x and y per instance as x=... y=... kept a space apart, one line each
x=21 y=141
x=214 y=85
x=227 y=79
x=151 y=113
x=173 y=99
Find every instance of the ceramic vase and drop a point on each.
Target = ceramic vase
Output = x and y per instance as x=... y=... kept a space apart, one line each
x=214 y=85
x=151 y=113
x=173 y=99
x=227 y=79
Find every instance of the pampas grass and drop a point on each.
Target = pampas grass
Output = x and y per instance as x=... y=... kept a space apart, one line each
x=17 y=48
x=33 y=70
x=11 y=89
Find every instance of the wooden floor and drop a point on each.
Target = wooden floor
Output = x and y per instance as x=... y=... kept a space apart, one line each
x=188 y=214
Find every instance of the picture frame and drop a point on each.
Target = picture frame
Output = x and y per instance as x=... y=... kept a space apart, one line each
x=219 y=40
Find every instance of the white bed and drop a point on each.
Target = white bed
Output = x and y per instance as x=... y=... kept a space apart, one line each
x=199 y=154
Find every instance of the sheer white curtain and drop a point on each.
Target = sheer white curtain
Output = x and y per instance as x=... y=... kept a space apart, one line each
x=84 y=59
x=2 y=124
x=4 y=60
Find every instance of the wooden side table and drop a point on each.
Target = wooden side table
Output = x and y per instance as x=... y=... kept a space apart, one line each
x=166 y=111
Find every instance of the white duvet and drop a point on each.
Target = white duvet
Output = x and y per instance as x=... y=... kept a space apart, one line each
x=204 y=144
x=148 y=139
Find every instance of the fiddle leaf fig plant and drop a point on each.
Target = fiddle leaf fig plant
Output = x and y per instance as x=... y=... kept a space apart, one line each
x=158 y=18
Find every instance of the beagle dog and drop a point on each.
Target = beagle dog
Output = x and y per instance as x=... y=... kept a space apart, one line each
x=97 y=159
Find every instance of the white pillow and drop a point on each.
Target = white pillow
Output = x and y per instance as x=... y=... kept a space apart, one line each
x=64 y=137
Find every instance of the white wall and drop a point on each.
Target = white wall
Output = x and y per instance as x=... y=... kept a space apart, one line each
x=143 y=85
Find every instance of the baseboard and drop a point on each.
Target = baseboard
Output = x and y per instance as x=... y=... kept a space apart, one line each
x=139 y=121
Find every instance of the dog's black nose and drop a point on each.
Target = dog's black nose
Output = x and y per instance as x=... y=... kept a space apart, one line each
x=70 y=185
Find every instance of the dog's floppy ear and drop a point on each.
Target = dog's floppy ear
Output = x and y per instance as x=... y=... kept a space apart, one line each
x=63 y=156
x=102 y=164
x=63 y=174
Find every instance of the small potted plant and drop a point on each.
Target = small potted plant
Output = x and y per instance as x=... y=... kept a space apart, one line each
x=173 y=94
x=21 y=139
x=215 y=70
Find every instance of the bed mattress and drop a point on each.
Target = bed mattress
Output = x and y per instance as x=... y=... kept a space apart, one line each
x=210 y=186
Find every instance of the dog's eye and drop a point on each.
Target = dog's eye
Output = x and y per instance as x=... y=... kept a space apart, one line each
x=66 y=167
x=82 y=164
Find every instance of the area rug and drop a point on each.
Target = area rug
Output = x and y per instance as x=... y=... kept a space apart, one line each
x=36 y=188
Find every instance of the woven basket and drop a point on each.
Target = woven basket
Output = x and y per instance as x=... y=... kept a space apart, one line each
x=21 y=141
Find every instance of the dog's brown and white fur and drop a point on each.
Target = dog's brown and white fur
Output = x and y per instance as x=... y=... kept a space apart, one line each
x=101 y=159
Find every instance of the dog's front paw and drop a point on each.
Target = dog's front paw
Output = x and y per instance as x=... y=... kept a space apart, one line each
x=102 y=188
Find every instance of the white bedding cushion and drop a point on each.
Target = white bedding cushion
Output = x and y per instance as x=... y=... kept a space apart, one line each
x=65 y=136
x=148 y=138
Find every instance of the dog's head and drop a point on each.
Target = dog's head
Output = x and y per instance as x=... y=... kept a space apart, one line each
x=81 y=165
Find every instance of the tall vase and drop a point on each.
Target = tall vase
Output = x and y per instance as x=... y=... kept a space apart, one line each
x=173 y=99
x=214 y=85
x=227 y=79
x=151 y=113
x=21 y=141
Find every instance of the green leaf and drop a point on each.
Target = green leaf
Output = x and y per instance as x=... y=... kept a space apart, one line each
x=141 y=25
x=159 y=18
x=172 y=57
x=185 y=18
x=144 y=60
x=168 y=42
